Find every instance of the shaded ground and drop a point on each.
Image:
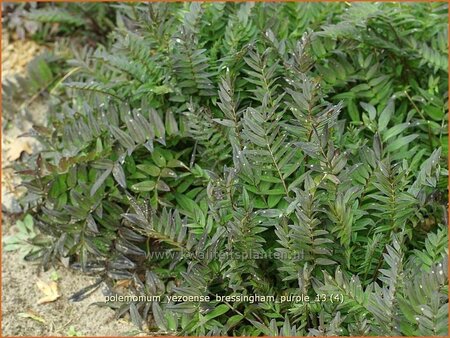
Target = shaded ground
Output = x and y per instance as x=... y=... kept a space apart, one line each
x=21 y=313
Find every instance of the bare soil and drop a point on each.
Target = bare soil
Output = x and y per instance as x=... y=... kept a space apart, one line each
x=20 y=296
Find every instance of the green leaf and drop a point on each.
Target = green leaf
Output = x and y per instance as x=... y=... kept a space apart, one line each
x=160 y=90
x=166 y=172
x=173 y=163
x=218 y=311
x=28 y=222
x=353 y=110
x=233 y=321
x=400 y=142
x=385 y=116
x=99 y=182
x=144 y=186
x=124 y=139
x=436 y=113
x=224 y=122
x=157 y=123
x=158 y=158
x=395 y=130
x=119 y=175
x=162 y=186
x=324 y=261
x=370 y=109
x=149 y=169
x=171 y=124
x=158 y=316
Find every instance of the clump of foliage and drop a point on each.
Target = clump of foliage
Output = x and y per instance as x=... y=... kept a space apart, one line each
x=14 y=18
x=46 y=21
x=256 y=149
x=26 y=239
x=65 y=29
x=21 y=90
